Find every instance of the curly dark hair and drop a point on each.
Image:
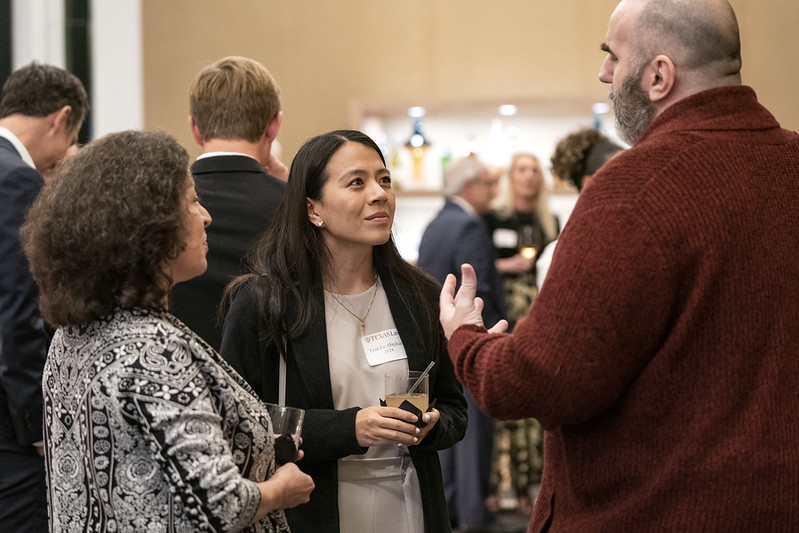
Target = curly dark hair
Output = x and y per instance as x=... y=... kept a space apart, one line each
x=98 y=235
x=580 y=154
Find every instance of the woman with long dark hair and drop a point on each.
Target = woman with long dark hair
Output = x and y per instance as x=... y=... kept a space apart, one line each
x=330 y=300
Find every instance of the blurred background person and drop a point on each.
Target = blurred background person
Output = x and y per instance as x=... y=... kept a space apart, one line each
x=518 y=460
x=457 y=235
x=147 y=428
x=41 y=111
x=326 y=283
x=235 y=116
x=577 y=157
x=520 y=230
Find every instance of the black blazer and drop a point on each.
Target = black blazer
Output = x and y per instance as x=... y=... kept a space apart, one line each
x=455 y=237
x=241 y=199
x=23 y=338
x=328 y=434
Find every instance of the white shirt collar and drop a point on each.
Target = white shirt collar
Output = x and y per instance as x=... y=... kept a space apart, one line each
x=215 y=154
x=23 y=152
x=466 y=206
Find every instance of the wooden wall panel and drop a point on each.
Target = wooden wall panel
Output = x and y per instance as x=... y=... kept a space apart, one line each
x=330 y=56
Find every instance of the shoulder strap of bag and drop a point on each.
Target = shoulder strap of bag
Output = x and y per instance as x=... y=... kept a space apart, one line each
x=281 y=392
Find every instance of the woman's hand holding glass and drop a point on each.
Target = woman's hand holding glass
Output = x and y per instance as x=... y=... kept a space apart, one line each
x=515 y=264
x=376 y=425
x=430 y=418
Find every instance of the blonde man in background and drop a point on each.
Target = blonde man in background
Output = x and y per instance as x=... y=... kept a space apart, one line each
x=235 y=116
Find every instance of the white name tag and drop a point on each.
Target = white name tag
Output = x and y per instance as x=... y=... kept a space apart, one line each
x=383 y=347
x=505 y=238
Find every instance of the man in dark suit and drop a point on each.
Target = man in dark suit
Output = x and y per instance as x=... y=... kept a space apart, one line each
x=235 y=116
x=459 y=235
x=41 y=111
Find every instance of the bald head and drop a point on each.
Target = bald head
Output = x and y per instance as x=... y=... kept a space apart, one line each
x=700 y=36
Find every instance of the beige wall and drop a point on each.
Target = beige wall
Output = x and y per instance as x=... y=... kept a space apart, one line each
x=333 y=58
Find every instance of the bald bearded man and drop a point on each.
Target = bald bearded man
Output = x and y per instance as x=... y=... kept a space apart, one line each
x=662 y=354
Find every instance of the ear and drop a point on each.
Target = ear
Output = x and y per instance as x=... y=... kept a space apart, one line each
x=274 y=126
x=313 y=213
x=195 y=132
x=60 y=117
x=659 y=78
x=466 y=190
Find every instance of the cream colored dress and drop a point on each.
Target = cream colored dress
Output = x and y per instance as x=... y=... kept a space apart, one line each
x=378 y=491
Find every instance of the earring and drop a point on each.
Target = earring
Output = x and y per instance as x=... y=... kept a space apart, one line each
x=320 y=223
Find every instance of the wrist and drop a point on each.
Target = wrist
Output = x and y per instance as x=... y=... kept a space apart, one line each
x=272 y=496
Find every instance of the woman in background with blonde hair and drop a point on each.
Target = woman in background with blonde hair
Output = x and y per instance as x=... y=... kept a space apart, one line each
x=519 y=232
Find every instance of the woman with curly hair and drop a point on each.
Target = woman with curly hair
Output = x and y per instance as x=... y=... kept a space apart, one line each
x=577 y=157
x=146 y=427
x=331 y=306
x=580 y=154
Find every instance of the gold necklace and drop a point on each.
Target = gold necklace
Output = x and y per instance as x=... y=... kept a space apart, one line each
x=347 y=309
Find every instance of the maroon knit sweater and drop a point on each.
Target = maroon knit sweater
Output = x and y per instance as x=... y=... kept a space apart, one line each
x=662 y=354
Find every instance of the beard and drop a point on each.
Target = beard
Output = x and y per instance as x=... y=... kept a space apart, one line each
x=632 y=107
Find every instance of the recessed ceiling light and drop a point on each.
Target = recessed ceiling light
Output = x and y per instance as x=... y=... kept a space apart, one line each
x=507 y=110
x=600 y=108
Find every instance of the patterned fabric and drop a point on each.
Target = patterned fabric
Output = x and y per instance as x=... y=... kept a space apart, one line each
x=148 y=429
x=518 y=456
x=520 y=292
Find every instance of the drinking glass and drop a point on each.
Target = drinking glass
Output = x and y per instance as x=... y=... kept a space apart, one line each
x=287 y=427
x=399 y=385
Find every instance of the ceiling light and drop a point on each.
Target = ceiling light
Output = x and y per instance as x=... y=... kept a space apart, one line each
x=600 y=108
x=507 y=110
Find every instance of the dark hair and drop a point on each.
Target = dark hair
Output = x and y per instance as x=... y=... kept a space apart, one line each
x=290 y=255
x=581 y=154
x=37 y=90
x=100 y=231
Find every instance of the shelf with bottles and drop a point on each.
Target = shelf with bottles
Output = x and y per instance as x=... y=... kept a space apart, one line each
x=418 y=141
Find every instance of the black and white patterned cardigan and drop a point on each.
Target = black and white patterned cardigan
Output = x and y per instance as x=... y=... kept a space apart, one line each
x=148 y=429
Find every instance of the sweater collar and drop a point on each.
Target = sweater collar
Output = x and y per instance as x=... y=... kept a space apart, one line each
x=717 y=109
